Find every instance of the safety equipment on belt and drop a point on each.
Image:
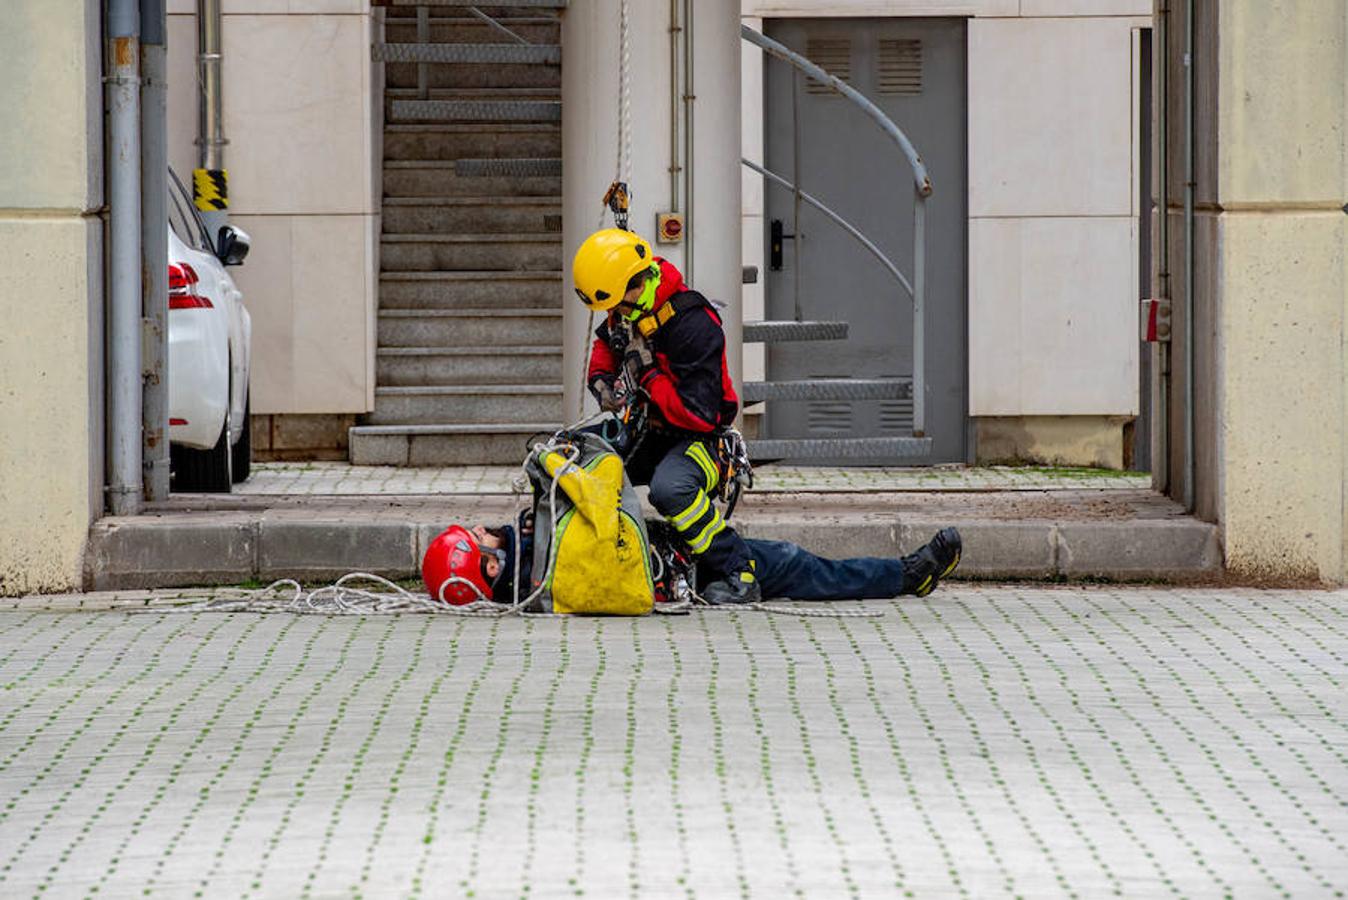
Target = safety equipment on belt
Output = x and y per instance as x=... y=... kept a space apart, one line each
x=454 y=567
x=605 y=263
x=638 y=360
x=734 y=467
x=648 y=325
x=609 y=401
x=591 y=551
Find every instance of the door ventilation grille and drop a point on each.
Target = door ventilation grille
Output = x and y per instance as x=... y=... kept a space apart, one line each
x=900 y=68
x=896 y=416
x=834 y=56
x=830 y=418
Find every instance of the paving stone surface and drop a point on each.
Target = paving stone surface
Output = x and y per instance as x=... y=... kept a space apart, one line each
x=990 y=741
x=345 y=479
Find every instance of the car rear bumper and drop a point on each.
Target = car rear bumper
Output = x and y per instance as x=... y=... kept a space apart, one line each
x=198 y=377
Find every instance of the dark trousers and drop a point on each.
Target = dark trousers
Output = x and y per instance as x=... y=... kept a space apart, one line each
x=682 y=473
x=786 y=570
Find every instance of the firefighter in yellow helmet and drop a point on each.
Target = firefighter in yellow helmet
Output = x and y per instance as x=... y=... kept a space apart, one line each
x=667 y=340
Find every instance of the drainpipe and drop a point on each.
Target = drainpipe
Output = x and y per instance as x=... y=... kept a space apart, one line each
x=1190 y=420
x=154 y=246
x=1161 y=69
x=124 y=318
x=690 y=165
x=210 y=187
x=674 y=105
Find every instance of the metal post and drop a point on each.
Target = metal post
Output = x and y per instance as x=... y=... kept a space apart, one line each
x=674 y=34
x=796 y=248
x=690 y=161
x=1161 y=109
x=919 y=316
x=154 y=246
x=1190 y=463
x=211 y=118
x=124 y=320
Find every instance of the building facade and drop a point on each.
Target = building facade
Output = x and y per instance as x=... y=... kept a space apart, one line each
x=1055 y=119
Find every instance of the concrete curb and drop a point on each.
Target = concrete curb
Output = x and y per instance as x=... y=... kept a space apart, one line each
x=232 y=546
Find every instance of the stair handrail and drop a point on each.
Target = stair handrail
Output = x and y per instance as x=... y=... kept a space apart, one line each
x=837 y=219
x=922 y=189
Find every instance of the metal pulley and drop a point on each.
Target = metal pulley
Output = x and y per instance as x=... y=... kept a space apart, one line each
x=617 y=198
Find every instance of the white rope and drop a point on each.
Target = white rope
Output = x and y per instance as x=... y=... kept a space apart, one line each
x=624 y=167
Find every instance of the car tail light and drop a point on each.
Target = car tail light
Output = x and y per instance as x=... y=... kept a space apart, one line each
x=183 y=288
x=177 y=421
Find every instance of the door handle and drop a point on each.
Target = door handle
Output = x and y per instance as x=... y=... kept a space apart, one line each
x=775 y=246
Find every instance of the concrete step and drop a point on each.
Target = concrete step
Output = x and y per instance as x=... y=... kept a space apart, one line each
x=829 y=389
x=445 y=445
x=469 y=327
x=466 y=404
x=492 y=54
x=470 y=290
x=476 y=75
x=778 y=332
x=482 y=141
x=472 y=215
x=428 y=366
x=439 y=252
x=457 y=26
x=437 y=178
x=233 y=538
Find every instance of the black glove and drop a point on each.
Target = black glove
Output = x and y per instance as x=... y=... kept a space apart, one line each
x=602 y=389
x=639 y=361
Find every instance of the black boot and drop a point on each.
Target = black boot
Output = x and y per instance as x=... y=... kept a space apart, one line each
x=738 y=587
x=936 y=559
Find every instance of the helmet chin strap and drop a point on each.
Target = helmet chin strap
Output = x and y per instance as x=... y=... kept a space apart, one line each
x=646 y=302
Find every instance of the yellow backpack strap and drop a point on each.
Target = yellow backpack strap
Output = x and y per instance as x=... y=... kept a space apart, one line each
x=650 y=323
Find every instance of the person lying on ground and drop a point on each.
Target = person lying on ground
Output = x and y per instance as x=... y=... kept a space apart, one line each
x=485 y=557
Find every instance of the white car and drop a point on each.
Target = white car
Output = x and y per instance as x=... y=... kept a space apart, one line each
x=209 y=336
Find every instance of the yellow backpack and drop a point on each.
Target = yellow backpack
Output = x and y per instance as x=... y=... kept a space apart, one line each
x=591 y=551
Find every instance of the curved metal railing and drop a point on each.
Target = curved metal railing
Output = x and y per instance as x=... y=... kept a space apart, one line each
x=922 y=189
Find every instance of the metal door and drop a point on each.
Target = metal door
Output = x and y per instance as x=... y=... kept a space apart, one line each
x=914 y=70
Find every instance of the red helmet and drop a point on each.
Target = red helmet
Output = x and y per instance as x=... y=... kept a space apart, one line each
x=453 y=567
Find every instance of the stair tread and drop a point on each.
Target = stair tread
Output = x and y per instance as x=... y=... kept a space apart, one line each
x=435 y=237
x=415 y=164
x=524 y=94
x=466 y=389
x=460 y=128
x=498 y=350
x=474 y=200
x=471 y=428
x=854 y=448
x=841 y=388
x=467 y=53
x=527 y=312
x=474 y=275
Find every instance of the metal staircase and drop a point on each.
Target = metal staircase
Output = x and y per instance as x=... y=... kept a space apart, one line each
x=915 y=446
x=821 y=389
x=469 y=359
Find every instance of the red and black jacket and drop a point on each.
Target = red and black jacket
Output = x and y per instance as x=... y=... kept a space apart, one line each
x=690 y=386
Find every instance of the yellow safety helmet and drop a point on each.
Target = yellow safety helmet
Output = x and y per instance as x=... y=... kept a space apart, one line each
x=604 y=265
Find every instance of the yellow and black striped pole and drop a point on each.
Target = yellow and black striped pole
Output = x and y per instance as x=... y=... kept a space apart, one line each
x=210 y=189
